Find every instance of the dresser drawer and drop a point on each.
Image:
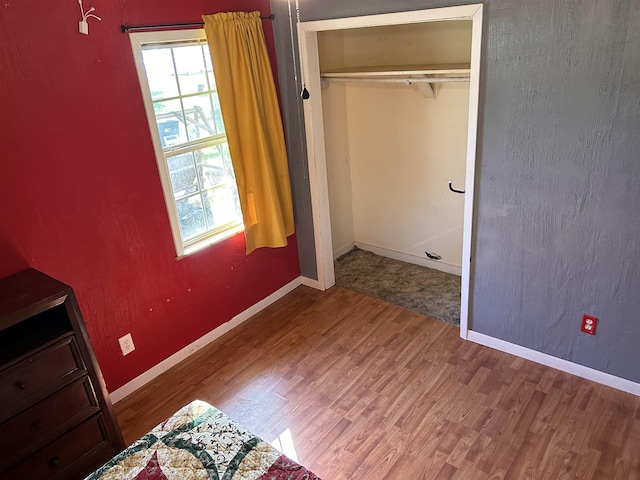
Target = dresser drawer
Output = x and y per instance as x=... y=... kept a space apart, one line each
x=47 y=419
x=37 y=375
x=70 y=456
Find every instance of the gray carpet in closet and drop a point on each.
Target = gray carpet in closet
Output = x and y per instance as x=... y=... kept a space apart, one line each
x=421 y=289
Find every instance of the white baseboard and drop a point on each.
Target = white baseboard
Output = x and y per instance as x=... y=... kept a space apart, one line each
x=342 y=250
x=557 y=363
x=203 y=341
x=409 y=258
x=511 y=348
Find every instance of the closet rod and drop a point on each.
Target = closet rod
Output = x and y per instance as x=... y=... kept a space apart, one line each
x=399 y=80
x=129 y=28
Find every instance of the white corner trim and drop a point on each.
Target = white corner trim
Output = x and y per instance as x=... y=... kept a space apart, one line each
x=557 y=363
x=203 y=341
x=310 y=282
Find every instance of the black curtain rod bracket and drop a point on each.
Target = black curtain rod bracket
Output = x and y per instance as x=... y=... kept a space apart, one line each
x=129 y=28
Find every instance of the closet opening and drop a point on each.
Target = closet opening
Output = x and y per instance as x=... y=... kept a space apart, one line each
x=391 y=135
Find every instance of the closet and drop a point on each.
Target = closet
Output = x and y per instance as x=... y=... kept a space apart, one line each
x=395 y=102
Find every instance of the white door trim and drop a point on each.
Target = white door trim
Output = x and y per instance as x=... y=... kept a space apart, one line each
x=308 y=42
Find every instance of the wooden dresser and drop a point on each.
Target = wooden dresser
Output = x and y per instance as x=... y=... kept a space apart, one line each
x=56 y=419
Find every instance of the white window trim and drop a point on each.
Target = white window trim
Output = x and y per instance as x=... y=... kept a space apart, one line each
x=138 y=41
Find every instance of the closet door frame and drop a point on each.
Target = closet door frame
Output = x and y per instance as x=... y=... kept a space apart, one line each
x=313 y=116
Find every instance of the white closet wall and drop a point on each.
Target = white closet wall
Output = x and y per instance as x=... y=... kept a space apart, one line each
x=336 y=128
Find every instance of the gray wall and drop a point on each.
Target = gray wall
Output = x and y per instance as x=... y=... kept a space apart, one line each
x=557 y=216
x=290 y=87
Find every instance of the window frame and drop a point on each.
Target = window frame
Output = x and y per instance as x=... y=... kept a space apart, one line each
x=139 y=40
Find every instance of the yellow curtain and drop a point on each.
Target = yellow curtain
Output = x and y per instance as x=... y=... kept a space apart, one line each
x=252 y=121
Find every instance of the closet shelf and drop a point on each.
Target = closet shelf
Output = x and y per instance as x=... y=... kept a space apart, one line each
x=423 y=77
x=409 y=73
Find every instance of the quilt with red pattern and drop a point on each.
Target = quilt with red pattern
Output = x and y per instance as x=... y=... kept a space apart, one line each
x=201 y=442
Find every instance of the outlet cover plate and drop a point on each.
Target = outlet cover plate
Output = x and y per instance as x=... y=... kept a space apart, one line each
x=126 y=344
x=588 y=324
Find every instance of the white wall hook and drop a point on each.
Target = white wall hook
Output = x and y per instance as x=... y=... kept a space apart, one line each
x=83 y=26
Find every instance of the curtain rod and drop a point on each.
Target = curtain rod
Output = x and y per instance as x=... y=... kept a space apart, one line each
x=128 y=28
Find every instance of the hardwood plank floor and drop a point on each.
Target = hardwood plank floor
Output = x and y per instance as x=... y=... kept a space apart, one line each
x=371 y=391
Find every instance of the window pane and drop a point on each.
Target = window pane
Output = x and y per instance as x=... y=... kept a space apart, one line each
x=182 y=172
x=192 y=73
x=227 y=159
x=217 y=113
x=199 y=117
x=162 y=78
x=170 y=124
x=207 y=60
x=191 y=216
x=211 y=167
x=222 y=206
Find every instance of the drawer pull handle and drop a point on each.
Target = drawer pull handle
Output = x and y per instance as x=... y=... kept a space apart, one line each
x=21 y=385
x=54 y=462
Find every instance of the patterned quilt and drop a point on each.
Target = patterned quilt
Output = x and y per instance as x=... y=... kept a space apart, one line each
x=201 y=442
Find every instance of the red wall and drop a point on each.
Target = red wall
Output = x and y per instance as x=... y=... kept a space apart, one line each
x=80 y=197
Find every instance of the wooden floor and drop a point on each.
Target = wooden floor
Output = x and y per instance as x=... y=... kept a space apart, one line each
x=372 y=391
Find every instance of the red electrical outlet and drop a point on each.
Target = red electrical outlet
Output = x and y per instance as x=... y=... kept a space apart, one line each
x=588 y=325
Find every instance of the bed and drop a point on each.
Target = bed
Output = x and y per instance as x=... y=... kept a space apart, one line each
x=201 y=442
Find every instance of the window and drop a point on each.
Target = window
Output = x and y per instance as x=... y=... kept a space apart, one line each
x=179 y=90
